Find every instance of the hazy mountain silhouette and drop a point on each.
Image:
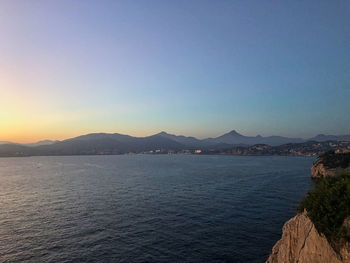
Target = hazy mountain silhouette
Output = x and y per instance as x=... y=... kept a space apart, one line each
x=106 y=143
x=44 y=142
x=5 y=142
x=234 y=138
x=323 y=137
x=189 y=141
x=11 y=149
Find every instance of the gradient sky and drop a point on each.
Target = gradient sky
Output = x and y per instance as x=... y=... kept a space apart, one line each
x=189 y=67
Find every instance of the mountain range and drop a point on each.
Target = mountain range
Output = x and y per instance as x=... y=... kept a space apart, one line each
x=107 y=143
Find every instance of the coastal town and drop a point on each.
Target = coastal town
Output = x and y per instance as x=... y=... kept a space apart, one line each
x=290 y=149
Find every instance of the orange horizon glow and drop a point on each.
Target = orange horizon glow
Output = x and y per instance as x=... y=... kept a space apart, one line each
x=69 y=68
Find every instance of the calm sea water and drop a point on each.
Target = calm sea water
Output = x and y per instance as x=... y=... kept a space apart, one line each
x=147 y=208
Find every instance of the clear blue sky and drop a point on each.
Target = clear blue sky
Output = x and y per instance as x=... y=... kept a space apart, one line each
x=189 y=67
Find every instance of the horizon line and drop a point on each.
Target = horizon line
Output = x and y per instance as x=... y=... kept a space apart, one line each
x=169 y=133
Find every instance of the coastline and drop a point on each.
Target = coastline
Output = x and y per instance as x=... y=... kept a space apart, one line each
x=305 y=238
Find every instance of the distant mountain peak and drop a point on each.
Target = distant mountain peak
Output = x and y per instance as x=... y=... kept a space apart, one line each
x=41 y=143
x=164 y=134
x=234 y=133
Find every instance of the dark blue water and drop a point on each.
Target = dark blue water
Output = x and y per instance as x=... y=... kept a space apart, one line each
x=147 y=208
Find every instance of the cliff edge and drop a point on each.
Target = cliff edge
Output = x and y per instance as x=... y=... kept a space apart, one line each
x=330 y=164
x=318 y=170
x=320 y=232
x=302 y=243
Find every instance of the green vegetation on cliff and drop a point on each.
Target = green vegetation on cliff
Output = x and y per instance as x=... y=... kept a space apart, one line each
x=331 y=159
x=328 y=205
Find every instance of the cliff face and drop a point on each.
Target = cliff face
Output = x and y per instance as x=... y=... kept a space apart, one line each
x=319 y=170
x=300 y=240
x=302 y=243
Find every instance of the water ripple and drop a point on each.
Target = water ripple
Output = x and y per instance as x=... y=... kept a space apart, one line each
x=143 y=208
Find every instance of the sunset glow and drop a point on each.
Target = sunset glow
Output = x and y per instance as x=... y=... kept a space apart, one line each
x=187 y=68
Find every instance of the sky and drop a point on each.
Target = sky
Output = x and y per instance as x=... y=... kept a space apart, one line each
x=192 y=67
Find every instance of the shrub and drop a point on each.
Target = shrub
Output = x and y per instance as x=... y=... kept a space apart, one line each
x=328 y=205
x=332 y=160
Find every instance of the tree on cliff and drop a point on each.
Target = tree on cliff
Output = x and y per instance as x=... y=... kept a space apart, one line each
x=328 y=205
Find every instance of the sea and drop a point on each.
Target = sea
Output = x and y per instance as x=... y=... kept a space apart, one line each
x=147 y=208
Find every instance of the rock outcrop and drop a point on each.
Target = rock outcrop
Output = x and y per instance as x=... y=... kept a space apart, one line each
x=319 y=170
x=330 y=164
x=302 y=243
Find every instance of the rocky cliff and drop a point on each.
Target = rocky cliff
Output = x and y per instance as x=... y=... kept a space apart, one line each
x=319 y=170
x=329 y=207
x=330 y=164
x=302 y=243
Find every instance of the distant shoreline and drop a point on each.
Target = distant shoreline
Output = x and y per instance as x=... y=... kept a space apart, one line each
x=116 y=144
x=155 y=154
